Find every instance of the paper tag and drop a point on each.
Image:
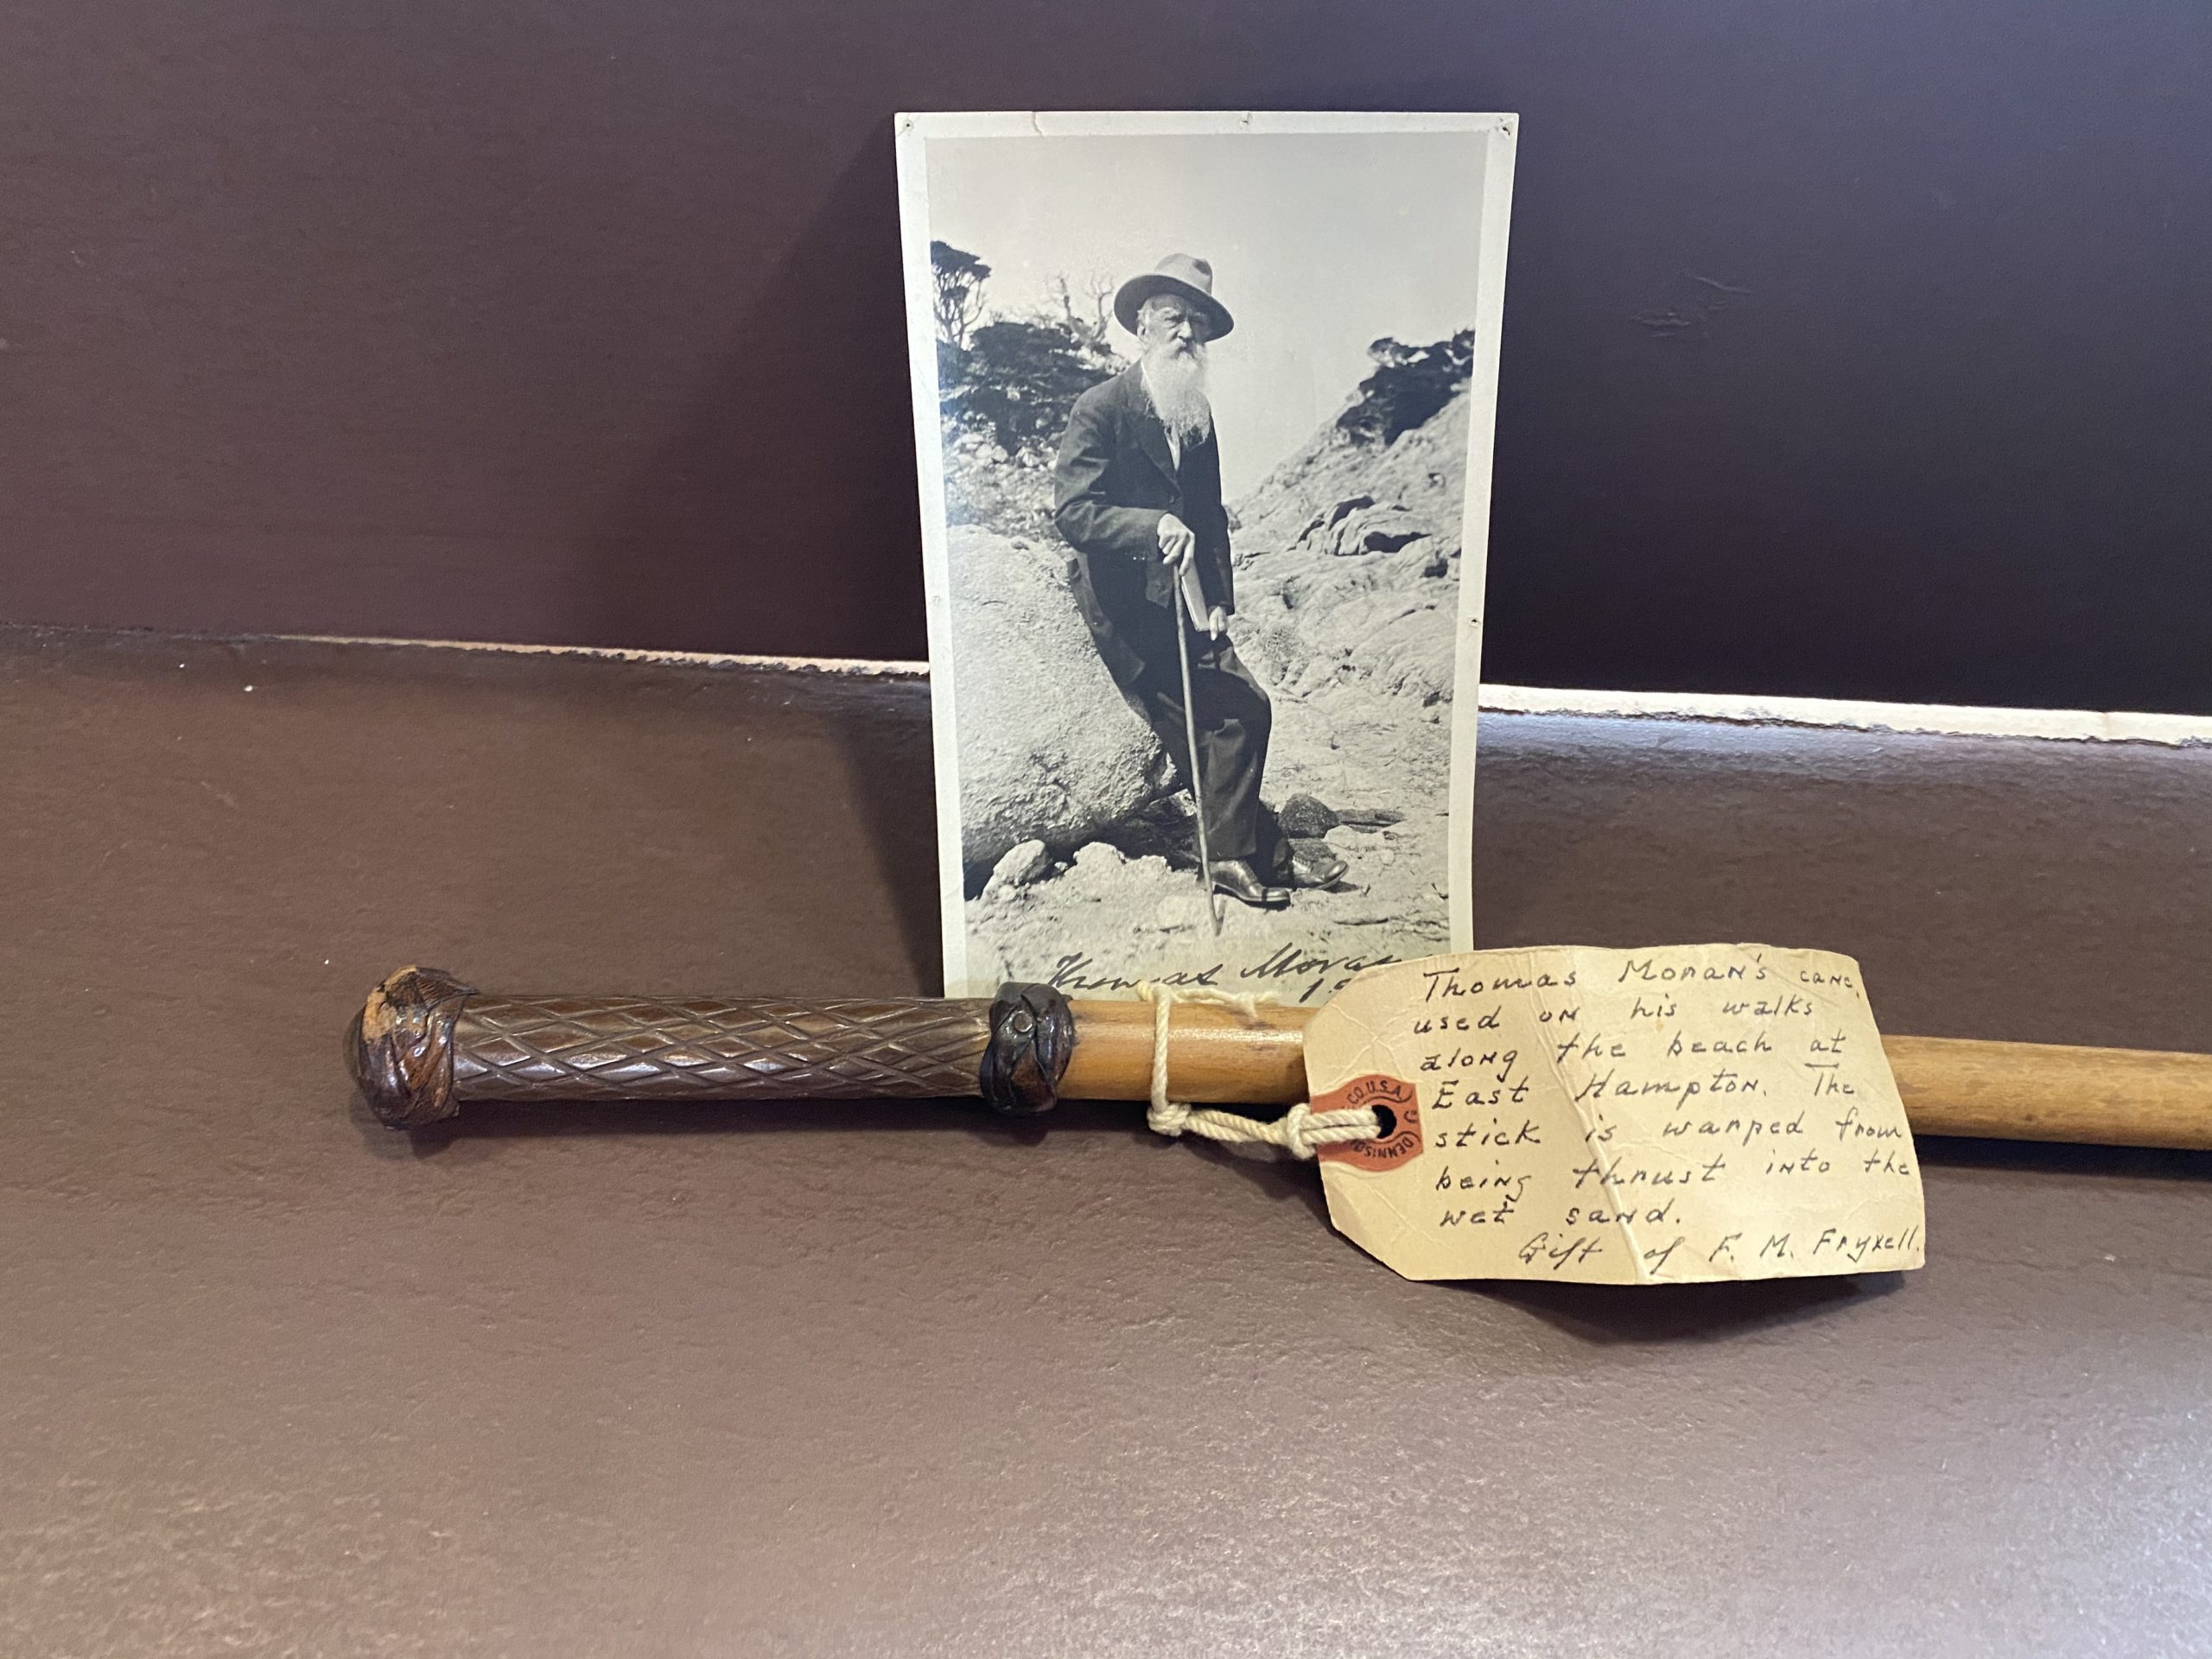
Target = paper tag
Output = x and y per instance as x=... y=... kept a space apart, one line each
x=1712 y=1111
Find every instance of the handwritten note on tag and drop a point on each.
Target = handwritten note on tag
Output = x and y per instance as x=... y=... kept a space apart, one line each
x=1715 y=1111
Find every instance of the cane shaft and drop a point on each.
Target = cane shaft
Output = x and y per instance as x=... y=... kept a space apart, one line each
x=1950 y=1086
x=1216 y=1057
x=2040 y=1091
x=1191 y=752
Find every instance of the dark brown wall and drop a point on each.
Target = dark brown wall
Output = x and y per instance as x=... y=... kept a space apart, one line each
x=1850 y=347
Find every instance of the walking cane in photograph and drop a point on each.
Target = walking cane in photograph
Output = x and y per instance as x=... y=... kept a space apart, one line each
x=1191 y=750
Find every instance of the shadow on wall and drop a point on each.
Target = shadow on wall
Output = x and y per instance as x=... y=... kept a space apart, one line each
x=801 y=442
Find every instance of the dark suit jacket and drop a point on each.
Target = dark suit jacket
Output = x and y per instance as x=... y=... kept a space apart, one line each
x=1114 y=477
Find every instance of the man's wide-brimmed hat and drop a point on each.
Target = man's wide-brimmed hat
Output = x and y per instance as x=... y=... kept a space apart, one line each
x=1180 y=275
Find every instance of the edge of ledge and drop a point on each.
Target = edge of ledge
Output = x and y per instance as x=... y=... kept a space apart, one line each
x=1934 y=719
x=1906 y=719
x=1914 y=718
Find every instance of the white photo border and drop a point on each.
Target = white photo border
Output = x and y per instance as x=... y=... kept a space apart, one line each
x=913 y=132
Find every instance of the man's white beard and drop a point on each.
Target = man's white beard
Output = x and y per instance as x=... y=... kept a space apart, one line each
x=1176 y=383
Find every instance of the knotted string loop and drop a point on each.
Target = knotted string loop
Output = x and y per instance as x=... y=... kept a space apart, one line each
x=1299 y=1130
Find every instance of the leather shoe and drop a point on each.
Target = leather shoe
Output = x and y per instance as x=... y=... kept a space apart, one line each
x=1237 y=878
x=1313 y=864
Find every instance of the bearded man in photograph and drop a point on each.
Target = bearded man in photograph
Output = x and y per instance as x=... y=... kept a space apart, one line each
x=1137 y=494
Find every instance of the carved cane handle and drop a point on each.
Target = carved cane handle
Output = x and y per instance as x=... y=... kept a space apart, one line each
x=424 y=1043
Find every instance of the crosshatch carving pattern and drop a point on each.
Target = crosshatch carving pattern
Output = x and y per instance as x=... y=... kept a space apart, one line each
x=576 y=1048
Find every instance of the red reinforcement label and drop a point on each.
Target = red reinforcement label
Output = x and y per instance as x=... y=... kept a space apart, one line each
x=1396 y=1107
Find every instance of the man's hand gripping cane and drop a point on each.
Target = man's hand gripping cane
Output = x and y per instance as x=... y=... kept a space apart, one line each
x=1178 y=546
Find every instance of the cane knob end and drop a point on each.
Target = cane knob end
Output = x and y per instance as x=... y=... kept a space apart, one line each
x=399 y=1047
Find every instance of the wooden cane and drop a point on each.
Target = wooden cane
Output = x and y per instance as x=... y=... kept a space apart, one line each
x=425 y=1044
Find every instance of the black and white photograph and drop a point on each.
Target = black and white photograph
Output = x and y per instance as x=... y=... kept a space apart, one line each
x=1203 y=409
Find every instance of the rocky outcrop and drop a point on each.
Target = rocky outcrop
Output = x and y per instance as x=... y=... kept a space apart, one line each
x=1085 y=763
x=1032 y=860
x=1348 y=563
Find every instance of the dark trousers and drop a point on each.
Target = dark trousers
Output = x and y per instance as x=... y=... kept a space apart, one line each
x=1234 y=719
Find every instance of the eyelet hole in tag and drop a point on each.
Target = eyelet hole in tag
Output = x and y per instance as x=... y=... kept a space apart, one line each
x=1396 y=1107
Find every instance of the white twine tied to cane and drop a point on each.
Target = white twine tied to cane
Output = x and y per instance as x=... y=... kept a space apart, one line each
x=1299 y=1130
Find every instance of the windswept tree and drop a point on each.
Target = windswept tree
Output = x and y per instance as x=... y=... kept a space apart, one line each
x=1410 y=385
x=1011 y=381
x=958 y=300
x=1088 y=320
